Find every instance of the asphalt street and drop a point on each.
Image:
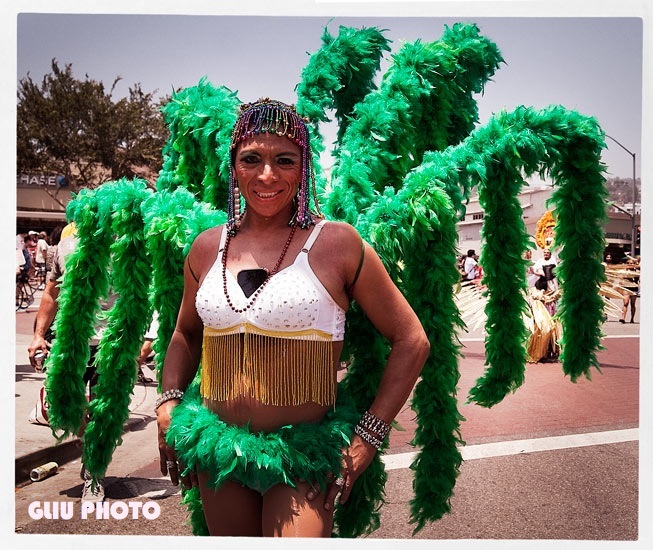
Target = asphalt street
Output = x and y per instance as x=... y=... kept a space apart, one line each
x=555 y=461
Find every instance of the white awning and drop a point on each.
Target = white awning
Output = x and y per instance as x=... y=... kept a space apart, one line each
x=40 y=215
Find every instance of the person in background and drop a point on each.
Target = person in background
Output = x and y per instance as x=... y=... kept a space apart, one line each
x=469 y=267
x=530 y=274
x=40 y=255
x=544 y=269
x=630 y=290
x=22 y=266
x=147 y=353
x=461 y=266
x=55 y=237
x=30 y=244
x=20 y=263
x=478 y=279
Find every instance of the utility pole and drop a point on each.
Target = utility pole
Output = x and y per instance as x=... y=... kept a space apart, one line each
x=633 y=225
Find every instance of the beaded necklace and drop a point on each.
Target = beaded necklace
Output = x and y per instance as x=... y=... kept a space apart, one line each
x=269 y=276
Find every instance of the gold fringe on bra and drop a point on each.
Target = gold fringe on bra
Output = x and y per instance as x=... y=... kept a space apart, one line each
x=275 y=368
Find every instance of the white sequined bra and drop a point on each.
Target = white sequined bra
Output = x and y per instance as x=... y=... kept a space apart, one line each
x=280 y=350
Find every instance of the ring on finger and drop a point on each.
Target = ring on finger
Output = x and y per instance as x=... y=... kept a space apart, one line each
x=340 y=482
x=171 y=464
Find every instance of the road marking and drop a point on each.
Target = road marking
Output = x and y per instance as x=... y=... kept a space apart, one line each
x=523 y=446
x=463 y=340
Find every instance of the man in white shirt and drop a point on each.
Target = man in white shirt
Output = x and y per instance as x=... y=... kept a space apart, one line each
x=470 y=264
x=545 y=269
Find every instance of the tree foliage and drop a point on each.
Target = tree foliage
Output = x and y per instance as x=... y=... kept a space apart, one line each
x=621 y=190
x=76 y=129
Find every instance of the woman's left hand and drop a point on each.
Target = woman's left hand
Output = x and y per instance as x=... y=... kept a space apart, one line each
x=169 y=463
x=355 y=459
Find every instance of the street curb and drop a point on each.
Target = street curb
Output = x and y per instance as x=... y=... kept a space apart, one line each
x=61 y=453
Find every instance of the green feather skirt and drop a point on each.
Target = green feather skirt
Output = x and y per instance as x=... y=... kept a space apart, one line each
x=259 y=460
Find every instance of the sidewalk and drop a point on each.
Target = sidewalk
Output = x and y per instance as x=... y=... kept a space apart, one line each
x=34 y=444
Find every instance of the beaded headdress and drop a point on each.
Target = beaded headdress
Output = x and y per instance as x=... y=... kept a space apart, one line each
x=275 y=117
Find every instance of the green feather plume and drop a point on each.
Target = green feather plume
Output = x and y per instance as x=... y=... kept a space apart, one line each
x=420 y=98
x=196 y=155
x=84 y=284
x=127 y=323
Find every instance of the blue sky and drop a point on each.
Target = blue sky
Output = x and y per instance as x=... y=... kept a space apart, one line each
x=589 y=64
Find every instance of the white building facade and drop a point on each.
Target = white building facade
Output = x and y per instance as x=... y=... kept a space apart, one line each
x=533 y=200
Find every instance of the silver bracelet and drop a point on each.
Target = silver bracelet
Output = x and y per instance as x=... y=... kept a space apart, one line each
x=168 y=395
x=374 y=424
x=368 y=437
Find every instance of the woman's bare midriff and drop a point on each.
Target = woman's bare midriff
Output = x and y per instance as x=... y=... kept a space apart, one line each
x=262 y=417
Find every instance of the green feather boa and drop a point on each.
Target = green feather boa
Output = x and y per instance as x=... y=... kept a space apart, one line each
x=423 y=103
x=111 y=219
x=172 y=222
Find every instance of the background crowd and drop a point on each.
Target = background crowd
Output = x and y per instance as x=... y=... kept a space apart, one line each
x=622 y=285
x=34 y=253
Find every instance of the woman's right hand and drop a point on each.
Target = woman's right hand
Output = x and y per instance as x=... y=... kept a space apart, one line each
x=167 y=455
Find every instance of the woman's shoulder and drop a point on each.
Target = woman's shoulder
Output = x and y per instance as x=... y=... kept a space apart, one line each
x=341 y=233
x=342 y=245
x=204 y=249
x=209 y=238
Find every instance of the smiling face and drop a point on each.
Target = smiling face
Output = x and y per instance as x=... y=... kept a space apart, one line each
x=268 y=169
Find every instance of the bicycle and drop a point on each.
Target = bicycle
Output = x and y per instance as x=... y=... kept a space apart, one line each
x=41 y=276
x=24 y=292
x=36 y=276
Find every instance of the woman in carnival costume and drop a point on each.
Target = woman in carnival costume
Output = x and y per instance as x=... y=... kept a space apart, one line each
x=262 y=429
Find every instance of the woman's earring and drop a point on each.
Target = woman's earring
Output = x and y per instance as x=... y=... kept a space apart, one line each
x=233 y=207
x=236 y=200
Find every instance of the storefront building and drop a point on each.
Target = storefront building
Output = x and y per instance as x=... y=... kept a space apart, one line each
x=41 y=202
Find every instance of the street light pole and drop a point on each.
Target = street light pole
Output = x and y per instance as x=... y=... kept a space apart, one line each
x=633 y=227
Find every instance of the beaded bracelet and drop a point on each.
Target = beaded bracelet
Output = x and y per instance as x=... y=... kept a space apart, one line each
x=368 y=437
x=374 y=424
x=168 y=395
x=372 y=429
